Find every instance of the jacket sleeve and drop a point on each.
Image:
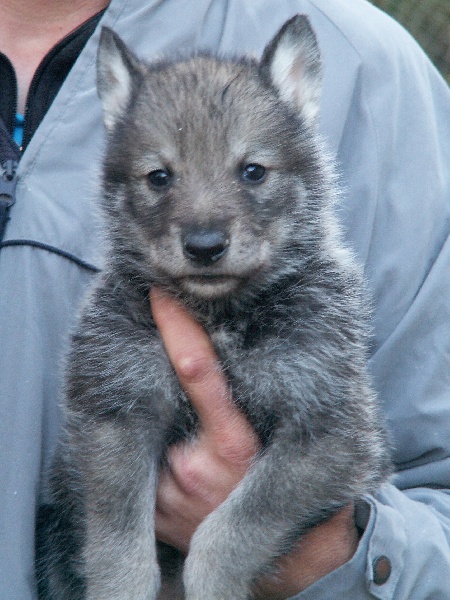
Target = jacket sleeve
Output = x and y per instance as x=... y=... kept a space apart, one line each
x=386 y=116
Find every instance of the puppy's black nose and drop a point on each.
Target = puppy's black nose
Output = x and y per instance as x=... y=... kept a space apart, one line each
x=205 y=246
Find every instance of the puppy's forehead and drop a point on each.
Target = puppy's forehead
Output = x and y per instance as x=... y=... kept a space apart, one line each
x=204 y=88
x=210 y=106
x=205 y=77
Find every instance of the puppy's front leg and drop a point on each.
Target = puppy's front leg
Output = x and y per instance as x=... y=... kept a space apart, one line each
x=290 y=488
x=119 y=554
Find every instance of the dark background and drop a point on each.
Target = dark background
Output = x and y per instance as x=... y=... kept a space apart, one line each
x=429 y=22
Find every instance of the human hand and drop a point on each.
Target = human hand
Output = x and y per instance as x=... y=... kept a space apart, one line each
x=203 y=473
x=321 y=550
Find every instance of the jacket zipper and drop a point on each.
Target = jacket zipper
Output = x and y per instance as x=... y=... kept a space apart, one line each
x=8 y=181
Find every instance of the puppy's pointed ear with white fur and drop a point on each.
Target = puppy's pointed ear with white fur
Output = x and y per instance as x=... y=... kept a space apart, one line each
x=291 y=62
x=117 y=70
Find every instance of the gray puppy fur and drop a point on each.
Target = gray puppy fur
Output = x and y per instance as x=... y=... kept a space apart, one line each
x=217 y=189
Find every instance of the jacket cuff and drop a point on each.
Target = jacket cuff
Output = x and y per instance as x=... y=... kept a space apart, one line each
x=375 y=568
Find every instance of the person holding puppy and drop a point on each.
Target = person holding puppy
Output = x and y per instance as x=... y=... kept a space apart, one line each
x=385 y=117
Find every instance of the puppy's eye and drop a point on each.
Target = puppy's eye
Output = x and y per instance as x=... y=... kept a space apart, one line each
x=253 y=173
x=160 y=178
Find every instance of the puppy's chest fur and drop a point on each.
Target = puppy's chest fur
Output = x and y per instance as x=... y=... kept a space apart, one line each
x=242 y=343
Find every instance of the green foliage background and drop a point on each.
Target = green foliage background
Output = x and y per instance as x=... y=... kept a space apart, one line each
x=429 y=22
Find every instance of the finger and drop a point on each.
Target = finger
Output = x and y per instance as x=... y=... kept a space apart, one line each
x=194 y=360
x=204 y=475
x=189 y=489
x=175 y=523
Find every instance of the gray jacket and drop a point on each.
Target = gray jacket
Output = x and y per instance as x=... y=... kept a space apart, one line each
x=386 y=117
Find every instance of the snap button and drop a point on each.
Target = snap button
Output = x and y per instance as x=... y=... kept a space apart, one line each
x=381 y=569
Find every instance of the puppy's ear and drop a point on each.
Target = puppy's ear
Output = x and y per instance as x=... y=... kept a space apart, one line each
x=118 y=70
x=291 y=63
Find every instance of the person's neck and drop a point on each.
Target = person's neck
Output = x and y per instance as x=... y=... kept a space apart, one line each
x=30 y=28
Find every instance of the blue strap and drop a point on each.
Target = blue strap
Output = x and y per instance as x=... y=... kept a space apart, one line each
x=18 y=129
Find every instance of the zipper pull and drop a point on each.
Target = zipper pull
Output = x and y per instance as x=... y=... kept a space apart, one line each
x=8 y=181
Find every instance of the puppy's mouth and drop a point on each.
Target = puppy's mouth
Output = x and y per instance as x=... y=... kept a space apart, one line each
x=209 y=285
x=209 y=278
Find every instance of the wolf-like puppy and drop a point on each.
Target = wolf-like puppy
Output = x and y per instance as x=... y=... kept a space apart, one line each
x=217 y=189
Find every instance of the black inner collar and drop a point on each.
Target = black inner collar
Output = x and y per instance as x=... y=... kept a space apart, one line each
x=46 y=82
